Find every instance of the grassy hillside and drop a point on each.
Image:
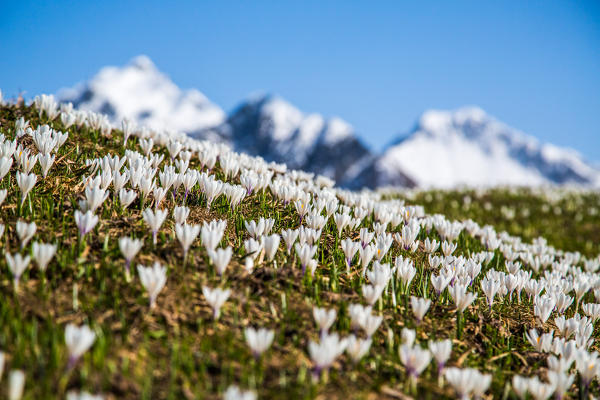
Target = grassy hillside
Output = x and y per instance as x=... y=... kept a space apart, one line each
x=569 y=219
x=177 y=349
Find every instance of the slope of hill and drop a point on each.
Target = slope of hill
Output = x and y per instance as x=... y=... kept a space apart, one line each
x=253 y=281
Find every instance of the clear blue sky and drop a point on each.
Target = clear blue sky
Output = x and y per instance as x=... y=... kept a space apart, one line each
x=534 y=65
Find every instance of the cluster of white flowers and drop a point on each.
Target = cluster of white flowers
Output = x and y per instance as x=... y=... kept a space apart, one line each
x=376 y=237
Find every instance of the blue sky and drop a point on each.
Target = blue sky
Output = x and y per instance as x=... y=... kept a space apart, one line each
x=378 y=65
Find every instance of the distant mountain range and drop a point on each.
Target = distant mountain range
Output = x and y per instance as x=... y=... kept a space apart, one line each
x=445 y=149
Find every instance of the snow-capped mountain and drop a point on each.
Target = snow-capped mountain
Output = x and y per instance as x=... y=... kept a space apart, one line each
x=271 y=127
x=140 y=92
x=467 y=146
x=445 y=149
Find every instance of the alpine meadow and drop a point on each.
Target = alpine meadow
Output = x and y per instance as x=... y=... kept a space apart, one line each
x=143 y=264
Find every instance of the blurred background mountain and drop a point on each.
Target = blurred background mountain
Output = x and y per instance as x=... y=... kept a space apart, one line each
x=445 y=148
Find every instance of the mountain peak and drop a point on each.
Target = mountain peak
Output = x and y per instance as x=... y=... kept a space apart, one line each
x=467 y=146
x=440 y=122
x=270 y=126
x=139 y=91
x=142 y=62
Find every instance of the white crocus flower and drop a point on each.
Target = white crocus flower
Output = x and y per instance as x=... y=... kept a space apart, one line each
x=174 y=148
x=25 y=232
x=154 y=219
x=211 y=237
x=405 y=269
x=490 y=288
x=147 y=185
x=85 y=222
x=462 y=381
x=146 y=145
x=324 y=353
x=78 y=339
x=255 y=229
x=271 y=244
x=366 y=237
x=16 y=384
x=324 y=318
x=127 y=126
x=371 y=293
x=3 y=194
x=235 y=194
x=592 y=310
x=26 y=182
x=349 y=248
x=541 y=343
x=43 y=253
x=67 y=119
x=5 y=164
x=180 y=214
x=249 y=265
x=439 y=283
x=408 y=336
x=153 y=279
x=366 y=255
x=441 y=352
x=216 y=298
x=419 y=306
x=46 y=161
x=289 y=237
x=371 y=323
x=259 y=340
x=540 y=390
x=235 y=393
x=95 y=196
x=312 y=266
x=357 y=348
x=212 y=190
x=83 y=396
x=186 y=234
x=341 y=221
x=543 y=307
x=305 y=253
x=220 y=258
x=119 y=180
x=17 y=265
x=358 y=313
x=27 y=162
x=520 y=386
x=482 y=383
x=129 y=248
x=2 y=361
x=253 y=248
x=462 y=298
x=380 y=275
x=126 y=197
x=562 y=381
x=415 y=360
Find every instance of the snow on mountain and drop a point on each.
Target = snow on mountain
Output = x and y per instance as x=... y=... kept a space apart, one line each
x=469 y=147
x=140 y=92
x=271 y=127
